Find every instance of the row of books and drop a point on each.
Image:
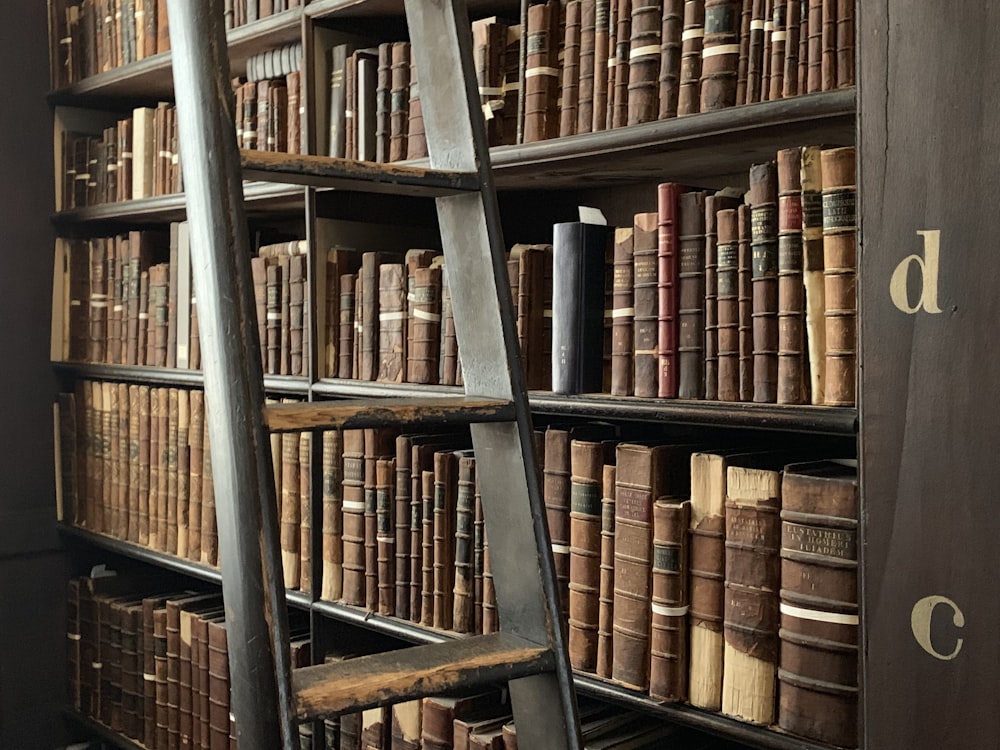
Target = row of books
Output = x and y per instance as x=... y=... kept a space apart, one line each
x=601 y=64
x=87 y=37
x=716 y=295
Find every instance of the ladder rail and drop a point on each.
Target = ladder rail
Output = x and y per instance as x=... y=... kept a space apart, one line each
x=246 y=507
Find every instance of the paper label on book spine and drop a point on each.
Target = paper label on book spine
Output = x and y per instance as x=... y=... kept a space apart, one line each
x=824 y=542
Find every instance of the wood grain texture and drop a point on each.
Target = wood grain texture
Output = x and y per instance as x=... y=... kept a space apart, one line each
x=351 y=414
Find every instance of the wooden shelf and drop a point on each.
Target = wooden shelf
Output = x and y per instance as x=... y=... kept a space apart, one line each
x=366 y=388
x=376 y=8
x=97 y=729
x=152 y=79
x=142 y=554
x=708 y=721
x=284 y=384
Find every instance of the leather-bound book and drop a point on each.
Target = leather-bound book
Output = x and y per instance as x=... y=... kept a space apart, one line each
x=534 y=314
x=174 y=607
x=569 y=95
x=645 y=304
x=331 y=587
x=113 y=276
x=618 y=85
x=765 y=65
x=403 y=523
x=426 y=546
x=218 y=685
x=132 y=697
x=778 y=39
x=792 y=359
x=425 y=345
x=668 y=665
x=421 y=523
x=587 y=460
x=391 y=323
x=604 y=54
x=196 y=454
x=840 y=263
x=489 y=723
x=643 y=474
x=622 y=314
x=727 y=275
x=445 y=503
x=644 y=61
x=511 y=122
x=828 y=40
x=161 y=709
x=413 y=261
x=142 y=459
x=368 y=325
x=845 y=43
x=668 y=302
x=491 y=618
x=155 y=506
x=489 y=49
x=755 y=53
x=290 y=509
x=78 y=269
x=406 y=725
x=416 y=140
x=347 y=327
x=745 y=301
x=272 y=362
x=293 y=132
x=478 y=560
x=183 y=473
x=258 y=272
x=449 y=365
x=578 y=306
x=818 y=668
x=73 y=642
x=764 y=249
x=399 y=100
x=606 y=586
x=463 y=611
x=112 y=514
x=298 y=339
x=814 y=75
x=720 y=54
x=366 y=85
x=689 y=98
x=305 y=512
x=714 y=205
x=793 y=30
x=671 y=32
x=440 y=712
x=691 y=295
x=753 y=499
x=556 y=494
x=336 y=137
x=383 y=102
x=385 y=519
x=350 y=731
x=98 y=302
x=811 y=176
x=209 y=527
x=589 y=66
x=380 y=444
x=354 y=517
x=351 y=106
x=373 y=729
x=541 y=75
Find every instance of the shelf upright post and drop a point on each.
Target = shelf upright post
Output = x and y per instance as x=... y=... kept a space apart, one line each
x=252 y=582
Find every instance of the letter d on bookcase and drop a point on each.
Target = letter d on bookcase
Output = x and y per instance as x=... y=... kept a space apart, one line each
x=928 y=267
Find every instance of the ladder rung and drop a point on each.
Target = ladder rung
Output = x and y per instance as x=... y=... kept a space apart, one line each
x=347 y=174
x=355 y=413
x=379 y=679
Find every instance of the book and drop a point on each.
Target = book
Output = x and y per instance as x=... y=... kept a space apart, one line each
x=622 y=314
x=669 y=602
x=391 y=323
x=778 y=41
x=714 y=206
x=646 y=305
x=689 y=94
x=534 y=313
x=416 y=141
x=720 y=54
x=840 y=263
x=578 y=250
x=380 y=444
x=336 y=137
x=727 y=305
x=817 y=673
x=792 y=359
x=763 y=199
x=745 y=300
x=811 y=180
x=541 y=75
x=463 y=614
x=354 y=520
x=399 y=102
x=668 y=281
x=644 y=61
x=691 y=295
x=671 y=33
x=570 y=75
x=593 y=62
x=385 y=519
x=618 y=80
x=445 y=490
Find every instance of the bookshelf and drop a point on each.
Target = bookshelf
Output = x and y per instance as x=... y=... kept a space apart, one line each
x=615 y=170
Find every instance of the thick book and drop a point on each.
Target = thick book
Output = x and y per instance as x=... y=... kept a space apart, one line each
x=385 y=540
x=534 y=313
x=578 y=251
x=569 y=95
x=290 y=509
x=689 y=97
x=391 y=323
x=670 y=600
x=399 y=99
x=779 y=41
x=644 y=61
x=764 y=248
x=691 y=295
x=714 y=206
x=668 y=282
x=424 y=346
x=840 y=263
x=556 y=496
x=336 y=69
x=541 y=75
x=811 y=180
x=828 y=41
x=591 y=68
x=463 y=611
x=604 y=55
x=416 y=140
x=745 y=301
x=814 y=76
x=755 y=52
x=844 y=43
x=671 y=39
x=792 y=359
x=380 y=444
x=622 y=314
x=720 y=54
x=818 y=667
x=618 y=80
x=727 y=305
x=354 y=517
x=443 y=525
x=646 y=307
x=331 y=586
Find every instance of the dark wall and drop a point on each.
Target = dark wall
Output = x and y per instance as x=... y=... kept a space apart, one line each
x=32 y=636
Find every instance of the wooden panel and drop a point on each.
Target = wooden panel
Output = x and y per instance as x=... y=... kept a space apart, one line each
x=930 y=372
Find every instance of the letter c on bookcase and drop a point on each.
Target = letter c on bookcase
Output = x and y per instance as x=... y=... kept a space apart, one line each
x=920 y=623
x=928 y=266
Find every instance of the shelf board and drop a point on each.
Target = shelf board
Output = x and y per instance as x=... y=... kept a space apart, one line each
x=812 y=419
x=142 y=554
x=366 y=388
x=152 y=79
x=97 y=729
x=693 y=149
x=131 y=373
x=376 y=8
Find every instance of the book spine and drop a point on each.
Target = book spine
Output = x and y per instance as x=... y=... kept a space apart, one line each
x=539 y=75
x=171 y=463
x=586 y=477
x=478 y=561
x=570 y=88
x=668 y=302
x=425 y=349
x=427 y=548
x=812 y=269
x=380 y=444
x=764 y=249
x=196 y=443
x=793 y=31
x=668 y=668
x=416 y=521
x=290 y=510
x=347 y=327
x=333 y=518
x=385 y=517
x=591 y=59
x=745 y=302
x=399 y=100
x=779 y=43
x=691 y=296
x=445 y=500
x=765 y=65
x=604 y=59
x=618 y=87
x=491 y=618
x=404 y=504
x=816 y=25
x=692 y=44
x=622 y=314
x=644 y=61
x=556 y=494
x=209 y=527
x=416 y=140
x=792 y=359
x=720 y=54
x=305 y=512
x=671 y=33
x=369 y=322
x=751 y=603
x=828 y=41
x=845 y=43
x=391 y=323
x=297 y=336
x=463 y=615
x=840 y=262
x=354 y=518
x=727 y=274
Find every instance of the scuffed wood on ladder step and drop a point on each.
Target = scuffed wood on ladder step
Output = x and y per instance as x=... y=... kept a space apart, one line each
x=356 y=413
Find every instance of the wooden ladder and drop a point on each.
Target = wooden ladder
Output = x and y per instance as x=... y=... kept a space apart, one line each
x=529 y=651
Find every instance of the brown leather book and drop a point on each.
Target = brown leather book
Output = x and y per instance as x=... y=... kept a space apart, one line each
x=556 y=494
x=399 y=100
x=489 y=49
x=170 y=462
x=97 y=349
x=541 y=75
x=385 y=519
x=606 y=588
x=272 y=362
x=380 y=443
x=439 y=714
x=421 y=525
x=743 y=64
x=444 y=519
x=569 y=95
x=534 y=322
x=828 y=41
x=491 y=618
x=142 y=459
x=818 y=668
x=486 y=727
x=425 y=345
x=714 y=205
x=622 y=314
x=604 y=55
x=354 y=517
x=290 y=509
x=814 y=76
x=765 y=66
x=689 y=98
x=691 y=295
x=413 y=261
x=644 y=61
x=668 y=301
x=73 y=642
x=840 y=262
x=811 y=176
x=645 y=304
x=293 y=132
x=671 y=32
x=778 y=40
x=156 y=502
x=792 y=358
x=845 y=43
x=196 y=448
x=448 y=365
x=427 y=547
x=618 y=84
x=111 y=447
x=298 y=338
x=183 y=472
x=416 y=140
x=331 y=587
x=305 y=512
x=745 y=301
x=591 y=69
x=463 y=611
x=755 y=53
x=764 y=248
x=727 y=274
x=793 y=30
x=369 y=323
x=348 y=327
x=720 y=54
x=404 y=521
x=511 y=60
x=130 y=617
x=668 y=666
x=391 y=323
x=644 y=472
x=209 y=527
x=478 y=560
x=218 y=685
x=351 y=108
x=753 y=499
x=161 y=709
x=174 y=607
x=587 y=460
